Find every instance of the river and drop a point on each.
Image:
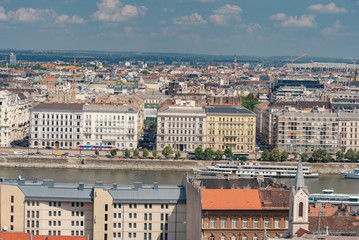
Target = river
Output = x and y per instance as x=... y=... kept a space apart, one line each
x=128 y=177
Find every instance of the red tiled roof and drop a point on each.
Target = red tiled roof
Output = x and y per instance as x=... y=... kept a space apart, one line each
x=302 y=231
x=44 y=237
x=14 y=236
x=26 y=236
x=222 y=199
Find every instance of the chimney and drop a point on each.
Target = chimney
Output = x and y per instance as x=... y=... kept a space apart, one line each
x=155 y=186
x=81 y=186
x=137 y=185
x=114 y=185
x=328 y=205
x=48 y=182
x=98 y=184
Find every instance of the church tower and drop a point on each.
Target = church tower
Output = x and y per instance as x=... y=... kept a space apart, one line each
x=299 y=203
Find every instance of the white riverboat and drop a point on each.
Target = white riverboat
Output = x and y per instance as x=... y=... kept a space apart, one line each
x=254 y=169
x=353 y=174
x=328 y=196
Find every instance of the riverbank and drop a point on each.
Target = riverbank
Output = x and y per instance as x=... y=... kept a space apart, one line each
x=24 y=161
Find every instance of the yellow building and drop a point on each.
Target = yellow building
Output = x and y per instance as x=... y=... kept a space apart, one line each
x=231 y=127
x=101 y=212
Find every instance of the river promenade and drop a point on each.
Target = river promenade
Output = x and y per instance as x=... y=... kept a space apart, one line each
x=101 y=162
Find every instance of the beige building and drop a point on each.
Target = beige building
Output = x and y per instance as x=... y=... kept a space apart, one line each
x=98 y=211
x=182 y=128
x=231 y=127
x=14 y=117
x=307 y=131
x=349 y=131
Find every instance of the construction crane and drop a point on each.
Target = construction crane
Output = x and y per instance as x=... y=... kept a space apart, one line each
x=73 y=68
x=312 y=63
x=292 y=60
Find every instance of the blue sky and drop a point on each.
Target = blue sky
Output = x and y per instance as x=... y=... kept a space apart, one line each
x=241 y=27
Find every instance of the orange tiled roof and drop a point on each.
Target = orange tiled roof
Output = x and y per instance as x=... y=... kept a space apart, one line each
x=222 y=199
x=44 y=237
x=324 y=211
x=14 y=236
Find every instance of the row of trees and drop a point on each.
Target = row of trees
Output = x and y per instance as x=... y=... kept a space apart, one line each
x=275 y=155
x=350 y=154
x=136 y=153
x=209 y=154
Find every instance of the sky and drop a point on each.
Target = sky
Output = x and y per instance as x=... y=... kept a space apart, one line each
x=222 y=27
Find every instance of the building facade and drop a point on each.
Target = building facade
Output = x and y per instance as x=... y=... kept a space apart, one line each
x=349 y=131
x=303 y=131
x=182 y=128
x=14 y=117
x=98 y=211
x=61 y=125
x=231 y=127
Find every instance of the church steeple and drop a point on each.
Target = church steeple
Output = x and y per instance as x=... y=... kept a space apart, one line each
x=299 y=203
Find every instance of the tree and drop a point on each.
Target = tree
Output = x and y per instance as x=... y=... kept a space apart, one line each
x=145 y=153
x=339 y=156
x=284 y=156
x=167 y=151
x=304 y=157
x=228 y=152
x=218 y=154
x=321 y=155
x=295 y=155
x=113 y=152
x=208 y=153
x=178 y=155
x=249 y=102
x=127 y=153
x=154 y=154
x=136 y=153
x=198 y=152
x=275 y=155
x=97 y=152
x=265 y=155
x=350 y=154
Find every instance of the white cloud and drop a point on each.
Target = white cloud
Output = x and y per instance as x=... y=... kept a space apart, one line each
x=334 y=29
x=129 y=31
x=29 y=15
x=330 y=8
x=222 y=15
x=251 y=28
x=194 y=19
x=2 y=14
x=278 y=16
x=304 y=21
x=115 y=11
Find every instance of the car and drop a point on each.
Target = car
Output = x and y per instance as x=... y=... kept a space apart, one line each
x=38 y=153
x=93 y=156
x=4 y=153
x=64 y=154
x=109 y=156
x=31 y=154
x=80 y=155
x=18 y=152
x=48 y=153
x=57 y=154
x=48 y=147
x=70 y=155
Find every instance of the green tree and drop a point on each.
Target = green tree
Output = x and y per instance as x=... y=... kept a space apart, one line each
x=350 y=154
x=154 y=154
x=321 y=155
x=265 y=155
x=218 y=155
x=145 y=153
x=295 y=155
x=208 y=153
x=167 y=151
x=198 y=152
x=178 y=155
x=127 y=153
x=275 y=155
x=228 y=152
x=113 y=152
x=304 y=157
x=284 y=156
x=339 y=156
x=97 y=152
x=249 y=102
x=136 y=153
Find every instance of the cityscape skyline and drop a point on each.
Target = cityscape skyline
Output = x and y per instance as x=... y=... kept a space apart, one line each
x=258 y=28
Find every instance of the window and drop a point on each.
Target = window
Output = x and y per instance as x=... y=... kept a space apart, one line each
x=255 y=223
x=244 y=237
x=255 y=237
x=233 y=238
x=223 y=223
x=223 y=237
x=234 y=223
x=276 y=223
x=245 y=223
x=12 y=199
x=301 y=209
x=266 y=223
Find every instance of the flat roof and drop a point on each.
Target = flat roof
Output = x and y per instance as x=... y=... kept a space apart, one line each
x=228 y=110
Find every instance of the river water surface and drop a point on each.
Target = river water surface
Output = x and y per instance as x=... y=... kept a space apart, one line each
x=128 y=177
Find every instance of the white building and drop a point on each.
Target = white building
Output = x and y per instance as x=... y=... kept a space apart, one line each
x=14 y=117
x=60 y=125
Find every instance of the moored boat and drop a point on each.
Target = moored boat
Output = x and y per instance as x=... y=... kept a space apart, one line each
x=352 y=174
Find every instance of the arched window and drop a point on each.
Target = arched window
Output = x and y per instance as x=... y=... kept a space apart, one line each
x=233 y=238
x=211 y=237
x=35 y=143
x=244 y=237
x=255 y=237
x=223 y=237
x=301 y=209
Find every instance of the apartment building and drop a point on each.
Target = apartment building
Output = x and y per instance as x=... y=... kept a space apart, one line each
x=231 y=127
x=307 y=131
x=95 y=210
x=69 y=125
x=182 y=128
x=348 y=131
x=14 y=117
